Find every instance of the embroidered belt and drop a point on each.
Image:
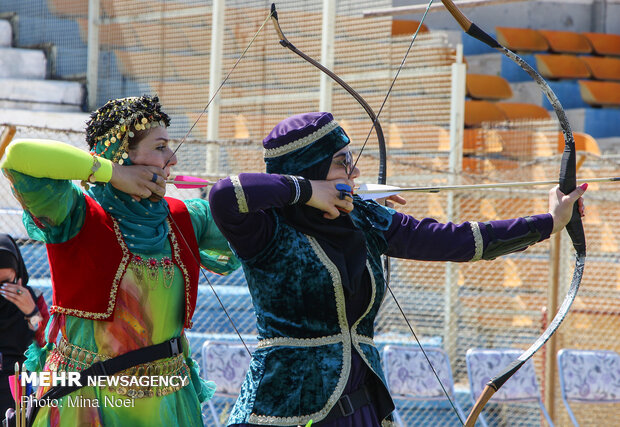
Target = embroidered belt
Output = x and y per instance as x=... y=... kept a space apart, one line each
x=69 y=357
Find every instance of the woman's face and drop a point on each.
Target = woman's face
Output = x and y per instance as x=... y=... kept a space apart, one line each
x=7 y=275
x=153 y=150
x=342 y=166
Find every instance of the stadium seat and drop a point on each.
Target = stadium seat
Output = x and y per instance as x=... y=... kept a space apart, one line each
x=226 y=364
x=604 y=44
x=522 y=387
x=487 y=87
x=562 y=67
x=583 y=142
x=604 y=94
x=522 y=111
x=567 y=92
x=478 y=112
x=68 y=7
x=488 y=166
x=521 y=39
x=566 y=42
x=589 y=376
x=525 y=144
x=418 y=137
x=410 y=377
x=406 y=27
x=603 y=68
x=481 y=141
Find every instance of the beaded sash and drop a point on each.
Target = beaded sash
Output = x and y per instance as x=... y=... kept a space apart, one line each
x=66 y=357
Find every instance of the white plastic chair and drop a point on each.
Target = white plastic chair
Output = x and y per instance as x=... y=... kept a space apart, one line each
x=226 y=364
x=588 y=376
x=410 y=377
x=522 y=387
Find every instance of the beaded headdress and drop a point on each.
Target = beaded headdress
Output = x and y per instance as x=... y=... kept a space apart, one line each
x=110 y=127
x=301 y=141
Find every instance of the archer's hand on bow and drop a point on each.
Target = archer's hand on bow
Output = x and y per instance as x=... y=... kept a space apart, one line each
x=561 y=205
x=329 y=199
x=139 y=181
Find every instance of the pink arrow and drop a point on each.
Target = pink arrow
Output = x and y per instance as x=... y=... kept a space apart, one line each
x=186 y=181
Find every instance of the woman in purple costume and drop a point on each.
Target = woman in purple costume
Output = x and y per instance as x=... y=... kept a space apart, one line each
x=312 y=257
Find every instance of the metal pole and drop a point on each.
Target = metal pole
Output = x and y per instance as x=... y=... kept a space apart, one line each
x=457 y=114
x=552 y=307
x=327 y=54
x=215 y=77
x=457 y=107
x=92 y=62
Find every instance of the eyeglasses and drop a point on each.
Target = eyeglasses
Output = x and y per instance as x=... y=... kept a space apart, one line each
x=347 y=163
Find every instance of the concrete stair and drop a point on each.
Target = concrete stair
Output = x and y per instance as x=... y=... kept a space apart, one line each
x=23 y=63
x=41 y=95
x=6 y=33
x=23 y=84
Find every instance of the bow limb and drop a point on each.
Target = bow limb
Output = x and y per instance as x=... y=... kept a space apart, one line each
x=567 y=182
x=6 y=137
x=373 y=117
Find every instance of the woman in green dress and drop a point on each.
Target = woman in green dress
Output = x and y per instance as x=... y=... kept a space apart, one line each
x=124 y=263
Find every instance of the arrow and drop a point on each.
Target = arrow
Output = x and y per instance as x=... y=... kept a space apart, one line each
x=186 y=181
x=378 y=191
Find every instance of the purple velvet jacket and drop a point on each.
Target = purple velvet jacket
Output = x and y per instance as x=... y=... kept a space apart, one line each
x=241 y=208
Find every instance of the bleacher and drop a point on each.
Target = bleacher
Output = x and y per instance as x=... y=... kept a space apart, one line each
x=581 y=68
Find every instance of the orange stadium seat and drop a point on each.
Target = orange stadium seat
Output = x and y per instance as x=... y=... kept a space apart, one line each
x=524 y=144
x=604 y=44
x=483 y=166
x=418 y=137
x=605 y=94
x=479 y=141
x=566 y=42
x=603 y=68
x=562 y=67
x=478 y=112
x=68 y=7
x=488 y=87
x=583 y=142
x=406 y=27
x=522 y=111
x=522 y=39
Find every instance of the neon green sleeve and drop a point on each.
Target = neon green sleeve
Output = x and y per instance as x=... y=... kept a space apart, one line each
x=45 y=158
x=41 y=174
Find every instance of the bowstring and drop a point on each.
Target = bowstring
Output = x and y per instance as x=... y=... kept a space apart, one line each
x=209 y=282
x=402 y=64
x=204 y=110
x=387 y=95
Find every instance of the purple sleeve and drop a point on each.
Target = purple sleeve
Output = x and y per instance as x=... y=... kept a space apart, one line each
x=428 y=240
x=238 y=205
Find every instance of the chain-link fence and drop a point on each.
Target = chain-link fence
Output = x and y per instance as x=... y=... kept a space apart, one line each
x=164 y=48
